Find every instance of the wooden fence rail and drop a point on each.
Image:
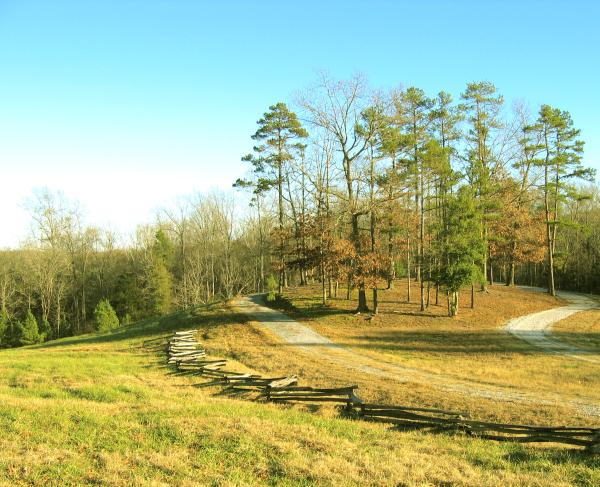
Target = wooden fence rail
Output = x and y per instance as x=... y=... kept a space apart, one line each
x=184 y=351
x=343 y=395
x=417 y=417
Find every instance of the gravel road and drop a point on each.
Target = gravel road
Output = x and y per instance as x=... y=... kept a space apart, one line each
x=536 y=328
x=307 y=340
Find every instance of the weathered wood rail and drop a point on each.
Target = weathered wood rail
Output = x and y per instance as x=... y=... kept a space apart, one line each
x=187 y=354
x=343 y=395
x=436 y=418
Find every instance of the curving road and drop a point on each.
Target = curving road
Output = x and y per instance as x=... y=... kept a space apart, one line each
x=308 y=340
x=535 y=328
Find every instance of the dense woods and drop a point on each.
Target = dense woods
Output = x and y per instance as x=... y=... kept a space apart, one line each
x=354 y=189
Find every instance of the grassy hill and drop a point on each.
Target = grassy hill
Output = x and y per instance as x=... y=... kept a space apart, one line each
x=104 y=409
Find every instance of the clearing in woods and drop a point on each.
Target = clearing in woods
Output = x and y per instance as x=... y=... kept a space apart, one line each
x=305 y=338
x=530 y=328
x=403 y=357
x=105 y=409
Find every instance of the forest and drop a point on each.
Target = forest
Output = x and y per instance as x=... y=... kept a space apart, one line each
x=355 y=189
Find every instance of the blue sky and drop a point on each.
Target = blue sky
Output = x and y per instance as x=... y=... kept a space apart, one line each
x=126 y=104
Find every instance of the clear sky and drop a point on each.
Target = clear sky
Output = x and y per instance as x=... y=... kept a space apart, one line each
x=126 y=104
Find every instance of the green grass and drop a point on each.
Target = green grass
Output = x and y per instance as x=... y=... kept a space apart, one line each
x=104 y=409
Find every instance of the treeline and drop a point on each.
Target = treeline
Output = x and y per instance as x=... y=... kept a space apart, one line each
x=369 y=187
x=355 y=189
x=69 y=277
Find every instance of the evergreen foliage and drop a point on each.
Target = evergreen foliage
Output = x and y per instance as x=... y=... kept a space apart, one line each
x=159 y=285
x=461 y=247
x=159 y=290
x=105 y=318
x=279 y=135
x=4 y=328
x=271 y=288
x=45 y=329
x=560 y=151
x=27 y=330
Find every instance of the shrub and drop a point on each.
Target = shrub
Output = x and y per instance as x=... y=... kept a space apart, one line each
x=28 y=331
x=45 y=330
x=399 y=269
x=4 y=327
x=105 y=317
x=272 y=287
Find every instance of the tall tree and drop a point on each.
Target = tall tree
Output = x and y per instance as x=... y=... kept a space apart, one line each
x=560 y=161
x=413 y=115
x=461 y=246
x=338 y=108
x=280 y=136
x=482 y=106
x=521 y=236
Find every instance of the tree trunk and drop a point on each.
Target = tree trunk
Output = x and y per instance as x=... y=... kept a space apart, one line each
x=323 y=286
x=362 y=299
x=375 y=302
x=422 y=241
x=408 y=270
x=362 y=295
x=510 y=281
x=392 y=264
x=549 y=244
x=454 y=304
x=58 y=317
x=485 y=260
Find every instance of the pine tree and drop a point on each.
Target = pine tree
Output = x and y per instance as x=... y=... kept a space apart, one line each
x=4 y=328
x=159 y=287
x=461 y=246
x=163 y=248
x=482 y=106
x=560 y=161
x=414 y=117
x=159 y=290
x=27 y=331
x=45 y=329
x=280 y=134
x=105 y=317
x=440 y=152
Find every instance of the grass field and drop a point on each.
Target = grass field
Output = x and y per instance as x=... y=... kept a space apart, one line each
x=581 y=329
x=469 y=347
x=103 y=409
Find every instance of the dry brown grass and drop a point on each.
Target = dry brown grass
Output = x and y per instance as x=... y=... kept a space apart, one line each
x=581 y=329
x=467 y=348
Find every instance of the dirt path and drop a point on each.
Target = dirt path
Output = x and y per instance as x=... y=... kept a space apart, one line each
x=309 y=341
x=535 y=328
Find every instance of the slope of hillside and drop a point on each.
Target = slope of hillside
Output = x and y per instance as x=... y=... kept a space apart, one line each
x=104 y=409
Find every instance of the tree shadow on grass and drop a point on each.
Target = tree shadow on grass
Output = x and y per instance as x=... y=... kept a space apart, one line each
x=493 y=343
x=557 y=456
x=311 y=308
